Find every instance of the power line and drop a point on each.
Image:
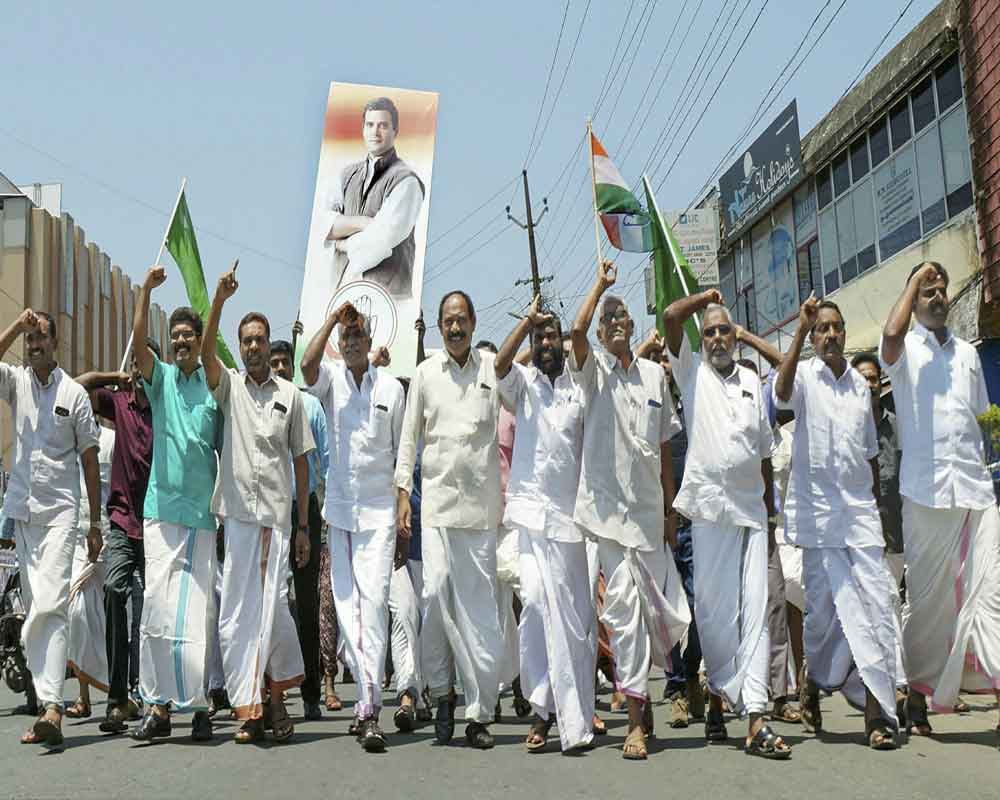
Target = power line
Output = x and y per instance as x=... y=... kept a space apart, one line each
x=878 y=47
x=472 y=213
x=467 y=256
x=548 y=81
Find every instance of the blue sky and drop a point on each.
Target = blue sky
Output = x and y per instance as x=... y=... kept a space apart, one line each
x=121 y=100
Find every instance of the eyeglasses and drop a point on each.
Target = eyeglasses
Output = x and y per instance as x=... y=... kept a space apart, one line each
x=621 y=315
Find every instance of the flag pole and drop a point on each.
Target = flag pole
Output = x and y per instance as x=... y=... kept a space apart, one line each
x=593 y=187
x=670 y=243
x=159 y=255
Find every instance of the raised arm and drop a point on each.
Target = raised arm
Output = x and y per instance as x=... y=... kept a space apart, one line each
x=26 y=321
x=144 y=357
x=226 y=288
x=652 y=342
x=421 y=329
x=313 y=356
x=508 y=351
x=785 y=381
x=607 y=274
x=680 y=311
x=98 y=380
x=898 y=323
x=772 y=355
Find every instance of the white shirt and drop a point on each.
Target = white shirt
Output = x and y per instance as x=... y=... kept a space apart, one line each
x=53 y=424
x=781 y=468
x=729 y=435
x=939 y=392
x=834 y=442
x=363 y=425
x=628 y=415
x=391 y=224
x=105 y=455
x=455 y=410
x=548 y=445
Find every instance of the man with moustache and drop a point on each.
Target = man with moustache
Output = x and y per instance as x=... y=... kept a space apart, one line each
x=54 y=434
x=453 y=404
x=625 y=498
x=728 y=494
x=178 y=610
x=375 y=207
x=951 y=620
x=364 y=412
x=831 y=514
x=306 y=578
x=558 y=638
x=266 y=439
x=129 y=409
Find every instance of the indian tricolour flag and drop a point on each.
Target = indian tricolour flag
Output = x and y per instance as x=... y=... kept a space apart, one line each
x=627 y=225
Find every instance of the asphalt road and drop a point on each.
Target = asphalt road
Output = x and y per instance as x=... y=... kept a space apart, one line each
x=962 y=761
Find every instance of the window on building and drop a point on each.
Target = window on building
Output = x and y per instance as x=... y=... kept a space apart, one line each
x=957 y=166
x=949 y=83
x=859 y=159
x=896 y=203
x=864 y=224
x=815 y=268
x=841 y=174
x=829 y=252
x=931 y=180
x=899 y=124
x=878 y=141
x=923 y=104
x=727 y=279
x=805 y=212
x=824 y=188
x=846 y=241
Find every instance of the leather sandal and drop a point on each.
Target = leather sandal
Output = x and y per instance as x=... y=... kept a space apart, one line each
x=539 y=730
x=249 y=732
x=78 y=710
x=405 y=718
x=634 y=748
x=281 y=724
x=49 y=732
x=478 y=736
x=766 y=744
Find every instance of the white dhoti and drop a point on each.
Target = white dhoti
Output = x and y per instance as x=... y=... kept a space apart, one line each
x=951 y=619
x=645 y=611
x=508 y=587
x=404 y=637
x=215 y=672
x=730 y=606
x=256 y=629
x=791 y=568
x=46 y=558
x=360 y=573
x=558 y=634
x=849 y=632
x=178 y=606
x=88 y=650
x=461 y=630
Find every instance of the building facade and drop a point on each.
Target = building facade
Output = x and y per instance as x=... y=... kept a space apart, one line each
x=46 y=263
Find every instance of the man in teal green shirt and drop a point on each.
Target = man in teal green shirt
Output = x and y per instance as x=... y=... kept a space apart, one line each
x=179 y=611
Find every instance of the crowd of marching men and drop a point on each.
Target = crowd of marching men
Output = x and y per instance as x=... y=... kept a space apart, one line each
x=531 y=516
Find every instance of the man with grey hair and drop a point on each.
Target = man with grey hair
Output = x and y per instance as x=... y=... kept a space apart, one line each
x=625 y=498
x=375 y=207
x=364 y=410
x=728 y=494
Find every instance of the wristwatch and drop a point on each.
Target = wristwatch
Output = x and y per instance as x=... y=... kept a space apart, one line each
x=772 y=519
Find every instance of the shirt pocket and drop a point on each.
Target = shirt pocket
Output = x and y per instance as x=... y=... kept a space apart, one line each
x=648 y=415
x=380 y=425
x=820 y=452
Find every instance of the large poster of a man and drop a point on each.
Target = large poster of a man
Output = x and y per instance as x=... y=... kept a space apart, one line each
x=369 y=222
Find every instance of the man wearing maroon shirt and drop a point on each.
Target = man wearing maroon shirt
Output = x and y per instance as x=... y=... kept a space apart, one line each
x=129 y=409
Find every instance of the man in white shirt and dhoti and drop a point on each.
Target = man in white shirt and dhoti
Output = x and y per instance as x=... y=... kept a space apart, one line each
x=625 y=498
x=951 y=528
x=266 y=436
x=453 y=405
x=728 y=494
x=831 y=514
x=364 y=413
x=558 y=627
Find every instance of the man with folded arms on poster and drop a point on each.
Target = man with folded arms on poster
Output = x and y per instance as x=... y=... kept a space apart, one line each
x=266 y=436
x=54 y=433
x=375 y=207
x=453 y=405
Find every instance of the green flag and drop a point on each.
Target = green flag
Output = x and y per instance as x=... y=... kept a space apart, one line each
x=671 y=271
x=183 y=246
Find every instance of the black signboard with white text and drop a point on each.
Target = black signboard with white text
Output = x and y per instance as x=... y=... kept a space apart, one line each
x=766 y=172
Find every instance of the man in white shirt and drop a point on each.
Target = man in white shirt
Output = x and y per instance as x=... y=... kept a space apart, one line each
x=364 y=411
x=728 y=494
x=266 y=439
x=831 y=514
x=375 y=207
x=558 y=636
x=453 y=404
x=951 y=528
x=54 y=434
x=625 y=498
